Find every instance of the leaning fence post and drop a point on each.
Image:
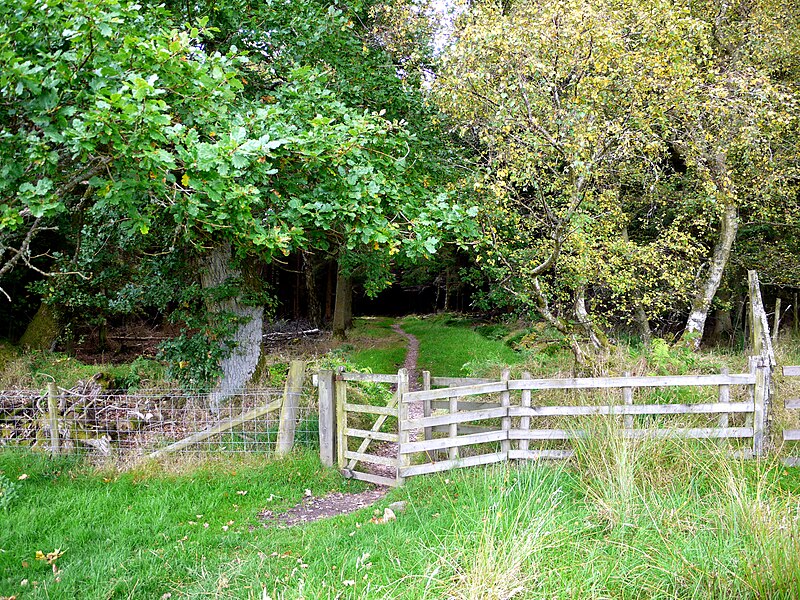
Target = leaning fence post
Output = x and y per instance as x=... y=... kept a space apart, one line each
x=52 y=412
x=403 y=436
x=327 y=418
x=291 y=401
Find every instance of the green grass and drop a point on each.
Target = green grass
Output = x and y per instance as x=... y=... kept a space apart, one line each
x=36 y=369
x=375 y=346
x=452 y=347
x=623 y=521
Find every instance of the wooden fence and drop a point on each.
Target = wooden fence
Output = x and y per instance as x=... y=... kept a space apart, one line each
x=791 y=435
x=467 y=422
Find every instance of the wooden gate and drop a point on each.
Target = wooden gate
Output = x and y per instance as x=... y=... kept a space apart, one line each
x=498 y=421
x=791 y=435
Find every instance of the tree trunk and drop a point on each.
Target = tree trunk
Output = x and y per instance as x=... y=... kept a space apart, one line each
x=43 y=330
x=245 y=343
x=311 y=267
x=696 y=323
x=343 y=307
x=329 y=292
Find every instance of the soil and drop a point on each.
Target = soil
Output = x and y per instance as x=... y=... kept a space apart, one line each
x=313 y=509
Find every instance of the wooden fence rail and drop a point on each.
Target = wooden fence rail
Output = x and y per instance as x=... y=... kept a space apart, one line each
x=498 y=420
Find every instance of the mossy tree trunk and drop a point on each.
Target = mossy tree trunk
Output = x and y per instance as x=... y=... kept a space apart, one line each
x=244 y=344
x=43 y=330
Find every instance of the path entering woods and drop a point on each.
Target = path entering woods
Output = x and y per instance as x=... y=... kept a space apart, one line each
x=336 y=503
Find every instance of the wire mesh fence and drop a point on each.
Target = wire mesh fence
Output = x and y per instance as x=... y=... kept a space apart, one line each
x=105 y=423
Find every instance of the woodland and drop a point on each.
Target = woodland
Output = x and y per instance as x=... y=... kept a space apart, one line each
x=201 y=169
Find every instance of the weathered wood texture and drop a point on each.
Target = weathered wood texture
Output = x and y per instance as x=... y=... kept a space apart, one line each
x=291 y=402
x=52 y=418
x=491 y=416
x=327 y=418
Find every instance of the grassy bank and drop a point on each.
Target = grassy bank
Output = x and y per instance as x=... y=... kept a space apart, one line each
x=621 y=521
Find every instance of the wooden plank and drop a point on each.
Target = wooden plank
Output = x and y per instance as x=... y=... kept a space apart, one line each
x=340 y=393
x=791 y=461
x=457 y=381
x=636 y=382
x=690 y=433
x=760 y=398
x=453 y=430
x=627 y=399
x=791 y=371
x=327 y=418
x=403 y=432
x=370 y=478
x=791 y=435
x=367 y=377
x=450 y=442
x=463 y=429
x=524 y=422
x=386 y=411
x=426 y=404
x=636 y=409
x=539 y=454
x=459 y=392
x=291 y=401
x=446 y=465
x=792 y=403
x=724 y=398
x=52 y=418
x=371 y=435
x=218 y=428
x=374 y=459
x=461 y=417
x=390 y=410
x=463 y=405
x=505 y=401
x=545 y=434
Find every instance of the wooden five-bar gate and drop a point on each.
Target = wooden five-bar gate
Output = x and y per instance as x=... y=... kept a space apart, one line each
x=456 y=422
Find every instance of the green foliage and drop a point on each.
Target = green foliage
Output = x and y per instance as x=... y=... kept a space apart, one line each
x=8 y=492
x=193 y=361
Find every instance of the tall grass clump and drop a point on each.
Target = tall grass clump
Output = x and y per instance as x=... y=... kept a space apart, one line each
x=767 y=520
x=506 y=523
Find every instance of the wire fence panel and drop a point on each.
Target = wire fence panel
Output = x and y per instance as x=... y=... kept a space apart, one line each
x=105 y=423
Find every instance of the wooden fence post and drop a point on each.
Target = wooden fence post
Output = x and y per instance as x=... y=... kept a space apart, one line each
x=327 y=418
x=403 y=434
x=760 y=398
x=452 y=432
x=776 y=321
x=426 y=404
x=340 y=394
x=52 y=412
x=291 y=401
x=505 y=402
x=627 y=399
x=525 y=422
x=724 y=397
